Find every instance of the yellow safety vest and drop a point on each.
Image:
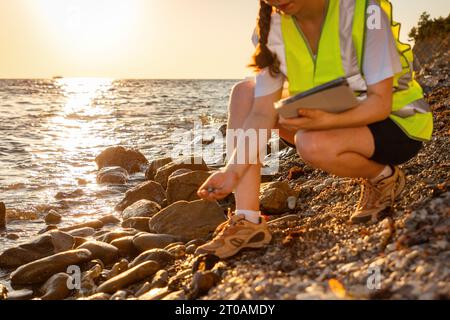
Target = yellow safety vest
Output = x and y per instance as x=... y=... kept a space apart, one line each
x=341 y=54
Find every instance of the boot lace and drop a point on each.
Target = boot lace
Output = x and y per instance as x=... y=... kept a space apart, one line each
x=369 y=194
x=233 y=220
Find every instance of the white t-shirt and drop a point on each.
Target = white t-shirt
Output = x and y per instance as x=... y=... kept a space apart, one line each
x=381 y=58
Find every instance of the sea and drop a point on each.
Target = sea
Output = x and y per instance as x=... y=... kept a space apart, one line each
x=52 y=130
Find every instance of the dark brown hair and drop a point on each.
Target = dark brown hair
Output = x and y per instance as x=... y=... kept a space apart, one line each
x=263 y=57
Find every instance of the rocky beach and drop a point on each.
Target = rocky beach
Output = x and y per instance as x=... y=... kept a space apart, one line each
x=145 y=249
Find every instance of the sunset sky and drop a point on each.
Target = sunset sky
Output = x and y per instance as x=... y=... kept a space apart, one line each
x=141 y=38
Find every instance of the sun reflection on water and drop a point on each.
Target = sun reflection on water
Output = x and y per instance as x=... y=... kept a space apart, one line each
x=81 y=127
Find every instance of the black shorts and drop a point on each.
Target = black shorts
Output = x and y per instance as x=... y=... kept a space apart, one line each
x=392 y=145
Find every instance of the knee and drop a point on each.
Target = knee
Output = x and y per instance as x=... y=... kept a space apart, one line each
x=241 y=100
x=243 y=90
x=313 y=147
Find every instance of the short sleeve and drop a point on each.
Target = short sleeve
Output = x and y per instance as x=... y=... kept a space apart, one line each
x=381 y=58
x=265 y=83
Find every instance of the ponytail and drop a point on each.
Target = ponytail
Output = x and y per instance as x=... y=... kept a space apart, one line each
x=263 y=57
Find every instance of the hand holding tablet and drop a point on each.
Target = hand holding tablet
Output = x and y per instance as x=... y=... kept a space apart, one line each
x=334 y=97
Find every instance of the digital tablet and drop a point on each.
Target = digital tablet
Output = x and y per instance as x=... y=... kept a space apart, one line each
x=335 y=97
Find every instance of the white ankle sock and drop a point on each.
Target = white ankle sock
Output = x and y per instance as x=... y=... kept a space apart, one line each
x=251 y=216
x=387 y=172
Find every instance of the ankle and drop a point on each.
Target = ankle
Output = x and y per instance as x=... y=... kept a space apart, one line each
x=250 y=215
x=387 y=172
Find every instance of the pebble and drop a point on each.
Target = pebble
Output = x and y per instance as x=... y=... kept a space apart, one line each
x=117 y=234
x=146 y=287
x=107 y=253
x=191 y=249
x=40 y=270
x=174 y=244
x=125 y=246
x=12 y=236
x=3 y=292
x=97 y=296
x=163 y=257
x=149 y=241
x=119 y=295
x=202 y=281
x=109 y=219
x=53 y=217
x=138 y=223
x=56 y=287
x=177 y=295
x=292 y=202
x=205 y=262
x=118 y=268
x=129 y=277
x=82 y=232
x=95 y=224
x=178 y=251
x=155 y=294
x=161 y=279
x=24 y=294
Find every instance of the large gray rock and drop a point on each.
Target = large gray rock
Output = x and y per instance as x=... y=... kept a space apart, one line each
x=113 y=175
x=43 y=246
x=147 y=241
x=149 y=190
x=185 y=186
x=142 y=208
x=274 y=197
x=189 y=220
x=163 y=257
x=192 y=163
x=107 y=253
x=41 y=270
x=130 y=159
x=131 y=276
x=155 y=165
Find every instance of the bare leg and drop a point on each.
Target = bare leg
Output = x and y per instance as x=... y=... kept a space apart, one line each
x=240 y=106
x=343 y=152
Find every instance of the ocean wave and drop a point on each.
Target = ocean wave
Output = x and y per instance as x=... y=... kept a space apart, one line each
x=76 y=116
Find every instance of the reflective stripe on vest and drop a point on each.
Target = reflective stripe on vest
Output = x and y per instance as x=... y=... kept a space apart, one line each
x=352 y=63
x=350 y=17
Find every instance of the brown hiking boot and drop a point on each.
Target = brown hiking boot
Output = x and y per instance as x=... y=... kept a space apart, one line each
x=235 y=235
x=376 y=198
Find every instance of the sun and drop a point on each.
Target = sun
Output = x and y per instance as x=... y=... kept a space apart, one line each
x=89 y=26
